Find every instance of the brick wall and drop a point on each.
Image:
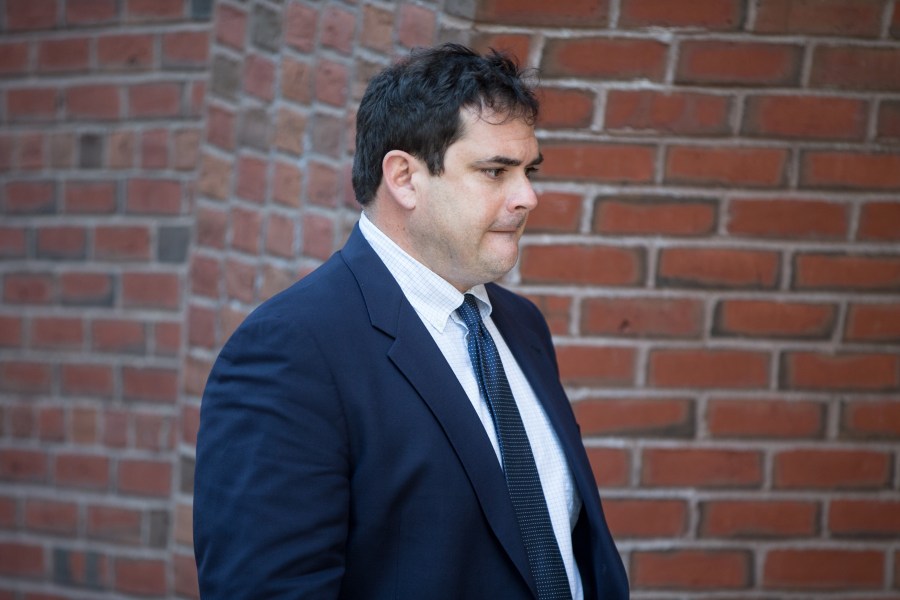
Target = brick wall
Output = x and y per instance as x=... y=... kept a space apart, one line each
x=716 y=250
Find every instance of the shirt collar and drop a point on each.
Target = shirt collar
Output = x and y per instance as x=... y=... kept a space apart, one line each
x=432 y=297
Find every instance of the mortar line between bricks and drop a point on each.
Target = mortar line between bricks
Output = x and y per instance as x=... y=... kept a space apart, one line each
x=886 y=20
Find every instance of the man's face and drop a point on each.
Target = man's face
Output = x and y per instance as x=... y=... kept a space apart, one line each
x=468 y=220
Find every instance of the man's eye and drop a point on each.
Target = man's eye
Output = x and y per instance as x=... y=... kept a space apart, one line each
x=493 y=173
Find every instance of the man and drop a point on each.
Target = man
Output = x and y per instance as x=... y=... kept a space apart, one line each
x=393 y=426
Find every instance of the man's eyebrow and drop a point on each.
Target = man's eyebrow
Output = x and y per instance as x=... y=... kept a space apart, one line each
x=507 y=161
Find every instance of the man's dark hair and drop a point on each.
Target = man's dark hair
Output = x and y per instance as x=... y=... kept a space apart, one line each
x=415 y=106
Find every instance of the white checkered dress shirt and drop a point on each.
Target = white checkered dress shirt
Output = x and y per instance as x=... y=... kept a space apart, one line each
x=435 y=301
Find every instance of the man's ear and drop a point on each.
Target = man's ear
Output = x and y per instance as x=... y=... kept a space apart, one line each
x=398 y=169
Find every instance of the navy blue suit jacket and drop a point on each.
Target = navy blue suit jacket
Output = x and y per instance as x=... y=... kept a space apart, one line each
x=338 y=456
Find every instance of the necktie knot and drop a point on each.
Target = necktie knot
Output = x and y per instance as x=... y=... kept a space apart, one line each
x=469 y=313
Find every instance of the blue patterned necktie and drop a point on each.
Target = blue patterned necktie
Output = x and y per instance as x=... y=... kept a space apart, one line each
x=518 y=462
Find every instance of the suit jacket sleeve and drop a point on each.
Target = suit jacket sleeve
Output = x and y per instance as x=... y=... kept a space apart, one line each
x=271 y=484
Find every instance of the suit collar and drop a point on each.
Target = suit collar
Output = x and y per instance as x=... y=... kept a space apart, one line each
x=391 y=313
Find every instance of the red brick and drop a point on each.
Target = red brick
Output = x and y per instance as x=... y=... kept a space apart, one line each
x=862 y=372
x=259 y=77
x=565 y=108
x=141 y=576
x=702 y=468
x=24 y=377
x=831 y=469
x=665 y=417
x=623 y=163
x=518 y=45
x=596 y=366
x=115 y=524
x=29 y=197
x=231 y=26
x=682 y=113
x=145 y=477
x=605 y=58
x=691 y=569
x=27 y=288
x=79 y=12
x=185 y=49
x=151 y=290
x=115 y=428
x=50 y=516
x=155 y=149
x=633 y=518
x=201 y=324
x=206 y=276
x=556 y=211
x=57 y=333
x=30 y=14
x=318 y=236
x=582 y=265
x=83 y=426
x=765 y=318
x=338 y=25
x=211 y=228
x=61 y=242
x=322 y=186
x=150 y=384
x=246 y=230
x=68 y=54
x=654 y=216
x=574 y=13
x=82 y=288
x=873 y=323
x=82 y=470
x=807 y=117
x=726 y=166
x=287 y=184
x=705 y=14
x=301 y=26
x=889 y=118
x=832 y=271
x=871 y=419
x=30 y=104
x=296 y=81
x=154 y=196
x=879 y=221
x=11 y=331
x=289 y=129
x=23 y=465
x=739 y=63
x=868 y=518
x=100 y=101
x=51 y=424
x=120 y=150
x=556 y=309
x=161 y=99
x=21 y=559
x=13 y=242
x=280 y=235
x=717 y=268
x=118 y=336
x=415 y=26
x=154 y=432
x=763 y=418
x=815 y=569
x=122 y=243
x=31 y=151
x=251 y=178
x=154 y=10
x=642 y=317
x=167 y=338
x=855 y=68
x=377 y=30
x=846 y=170
x=190 y=424
x=758 y=519
x=89 y=197
x=843 y=18
x=718 y=368
x=13 y=58
x=8 y=510
x=87 y=380
x=611 y=466
x=788 y=218
x=332 y=81
x=186 y=575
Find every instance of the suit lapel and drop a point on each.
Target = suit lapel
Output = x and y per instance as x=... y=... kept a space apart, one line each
x=413 y=348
